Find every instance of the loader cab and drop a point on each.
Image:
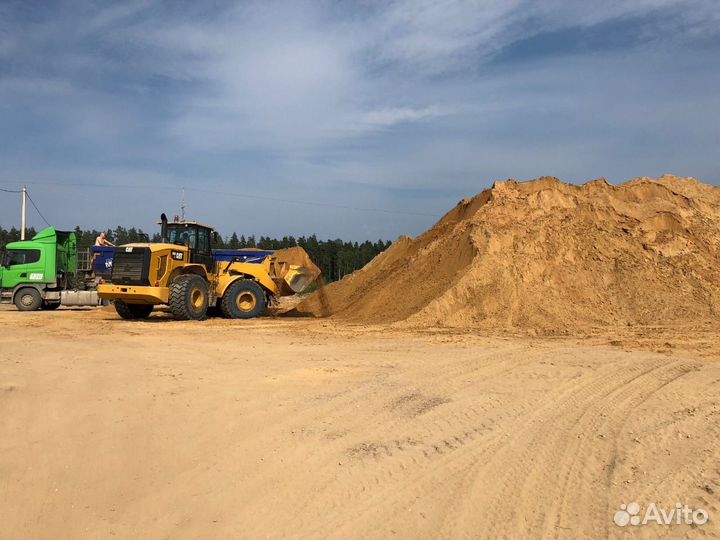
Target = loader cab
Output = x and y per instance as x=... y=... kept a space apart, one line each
x=196 y=237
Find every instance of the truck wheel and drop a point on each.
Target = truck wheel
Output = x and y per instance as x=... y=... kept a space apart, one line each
x=133 y=311
x=28 y=299
x=189 y=297
x=244 y=299
x=50 y=305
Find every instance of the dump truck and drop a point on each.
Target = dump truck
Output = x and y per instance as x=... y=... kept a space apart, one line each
x=185 y=274
x=49 y=271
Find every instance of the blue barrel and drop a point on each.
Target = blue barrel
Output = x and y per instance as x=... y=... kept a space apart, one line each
x=102 y=260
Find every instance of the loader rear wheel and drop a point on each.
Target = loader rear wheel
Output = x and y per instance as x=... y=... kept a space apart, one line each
x=189 y=297
x=133 y=311
x=28 y=299
x=244 y=299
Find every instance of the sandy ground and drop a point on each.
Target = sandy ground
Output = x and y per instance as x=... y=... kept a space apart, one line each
x=282 y=428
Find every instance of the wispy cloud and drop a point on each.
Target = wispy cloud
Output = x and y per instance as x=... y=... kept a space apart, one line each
x=432 y=37
x=398 y=115
x=360 y=98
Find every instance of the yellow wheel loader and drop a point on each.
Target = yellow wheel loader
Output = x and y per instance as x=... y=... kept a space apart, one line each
x=184 y=273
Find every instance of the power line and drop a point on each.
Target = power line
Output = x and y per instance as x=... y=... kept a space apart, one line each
x=37 y=209
x=310 y=203
x=31 y=202
x=95 y=185
x=241 y=195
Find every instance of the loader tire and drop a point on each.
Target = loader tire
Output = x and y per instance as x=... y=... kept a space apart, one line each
x=244 y=299
x=133 y=311
x=189 y=297
x=28 y=299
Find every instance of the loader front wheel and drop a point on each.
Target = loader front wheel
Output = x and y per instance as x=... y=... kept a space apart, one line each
x=189 y=297
x=133 y=312
x=244 y=299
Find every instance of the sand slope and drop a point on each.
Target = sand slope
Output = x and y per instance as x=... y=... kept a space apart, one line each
x=550 y=257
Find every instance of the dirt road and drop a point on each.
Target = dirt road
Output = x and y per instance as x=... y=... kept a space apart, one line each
x=292 y=428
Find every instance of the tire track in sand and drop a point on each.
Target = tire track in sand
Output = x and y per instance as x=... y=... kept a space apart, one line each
x=520 y=463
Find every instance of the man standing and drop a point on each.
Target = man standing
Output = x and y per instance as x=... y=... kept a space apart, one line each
x=102 y=241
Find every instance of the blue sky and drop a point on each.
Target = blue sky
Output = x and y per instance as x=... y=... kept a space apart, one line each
x=350 y=119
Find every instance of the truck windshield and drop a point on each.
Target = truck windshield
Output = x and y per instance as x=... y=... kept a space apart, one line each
x=14 y=257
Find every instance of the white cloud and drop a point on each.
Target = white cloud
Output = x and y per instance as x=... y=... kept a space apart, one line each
x=398 y=115
x=295 y=77
x=386 y=95
x=433 y=37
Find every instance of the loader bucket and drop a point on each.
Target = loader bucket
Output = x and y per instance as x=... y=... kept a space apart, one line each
x=293 y=270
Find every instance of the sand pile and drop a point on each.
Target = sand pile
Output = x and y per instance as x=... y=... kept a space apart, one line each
x=551 y=257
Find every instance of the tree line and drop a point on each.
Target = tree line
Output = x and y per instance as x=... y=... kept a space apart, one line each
x=336 y=258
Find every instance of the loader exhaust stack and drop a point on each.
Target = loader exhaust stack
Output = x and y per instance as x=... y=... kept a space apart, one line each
x=163 y=227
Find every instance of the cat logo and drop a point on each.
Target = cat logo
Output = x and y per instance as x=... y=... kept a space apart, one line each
x=178 y=255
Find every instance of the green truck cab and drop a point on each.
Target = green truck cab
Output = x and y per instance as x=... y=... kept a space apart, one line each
x=43 y=272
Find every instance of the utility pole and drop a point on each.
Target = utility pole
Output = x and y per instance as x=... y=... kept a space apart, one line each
x=24 y=204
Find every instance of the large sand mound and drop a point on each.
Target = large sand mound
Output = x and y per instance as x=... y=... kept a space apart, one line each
x=550 y=257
